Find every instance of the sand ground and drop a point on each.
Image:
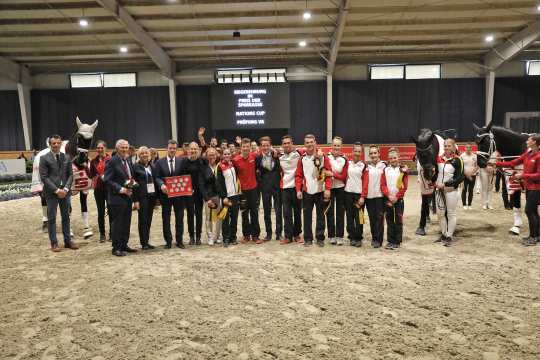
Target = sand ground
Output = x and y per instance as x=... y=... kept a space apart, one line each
x=479 y=299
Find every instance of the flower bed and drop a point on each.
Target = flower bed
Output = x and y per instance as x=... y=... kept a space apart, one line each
x=14 y=190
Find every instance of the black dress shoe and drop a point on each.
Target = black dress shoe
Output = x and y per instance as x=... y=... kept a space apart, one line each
x=375 y=244
x=320 y=243
x=167 y=246
x=268 y=237
x=118 y=253
x=278 y=237
x=180 y=245
x=102 y=238
x=191 y=240
x=130 y=250
x=308 y=242
x=145 y=247
x=150 y=246
x=198 y=240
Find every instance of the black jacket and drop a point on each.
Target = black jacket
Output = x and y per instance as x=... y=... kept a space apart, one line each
x=459 y=175
x=115 y=178
x=161 y=168
x=141 y=177
x=268 y=180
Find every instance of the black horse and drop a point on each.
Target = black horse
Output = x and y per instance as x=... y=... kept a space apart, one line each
x=493 y=138
x=428 y=149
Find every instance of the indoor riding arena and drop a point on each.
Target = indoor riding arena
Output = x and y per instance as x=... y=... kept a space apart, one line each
x=322 y=179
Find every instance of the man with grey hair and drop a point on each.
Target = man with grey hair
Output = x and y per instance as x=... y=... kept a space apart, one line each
x=118 y=172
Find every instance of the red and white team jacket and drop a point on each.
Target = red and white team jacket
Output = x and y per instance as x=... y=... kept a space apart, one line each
x=394 y=182
x=307 y=174
x=356 y=177
x=372 y=187
x=288 y=163
x=339 y=165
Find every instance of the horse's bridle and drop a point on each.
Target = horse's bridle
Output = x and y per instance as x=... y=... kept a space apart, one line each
x=492 y=145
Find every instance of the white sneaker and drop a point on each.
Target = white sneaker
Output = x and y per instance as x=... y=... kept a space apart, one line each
x=469 y=207
x=490 y=207
x=339 y=241
x=333 y=241
x=514 y=230
x=219 y=240
x=210 y=242
x=485 y=207
x=464 y=207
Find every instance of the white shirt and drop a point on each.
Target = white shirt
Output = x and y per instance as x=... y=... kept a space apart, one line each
x=392 y=174
x=354 y=177
x=374 y=183
x=288 y=163
x=469 y=162
x=311 y=175
x=446 y=171
x=338 y=163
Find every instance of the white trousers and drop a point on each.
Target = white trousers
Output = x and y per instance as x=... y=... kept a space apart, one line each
x=486 y=180
x=213 y=229
x=448 y=216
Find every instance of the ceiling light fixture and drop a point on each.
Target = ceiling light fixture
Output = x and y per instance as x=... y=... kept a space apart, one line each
x=307 y=15
x=83 y=22
x=123 y=49
x=490 y=38
x=538 y=8
x=302 y=43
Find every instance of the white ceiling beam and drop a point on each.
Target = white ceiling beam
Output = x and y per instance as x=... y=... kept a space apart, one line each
x=338 y=35
x=152 y=48
x=15 y=72
x=512 y=47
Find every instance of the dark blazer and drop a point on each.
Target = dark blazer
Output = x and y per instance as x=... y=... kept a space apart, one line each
x=52 y=176
x=268 y=180
x=140 y=176
x=115 y=178
x=162 y=171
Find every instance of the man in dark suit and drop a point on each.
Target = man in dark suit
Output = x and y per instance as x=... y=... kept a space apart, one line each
x=268 y=178
x=171 y=165
x=57 y=175
x=118 y=171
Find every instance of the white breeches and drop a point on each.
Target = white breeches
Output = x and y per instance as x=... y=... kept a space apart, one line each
x=487 y=186
x=213 y=229
x=448 y=216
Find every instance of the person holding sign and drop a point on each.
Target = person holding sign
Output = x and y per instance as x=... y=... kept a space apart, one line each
x=145 y=196
x=171 y=165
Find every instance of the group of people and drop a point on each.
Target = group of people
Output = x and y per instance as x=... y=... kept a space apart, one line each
x=230 y=179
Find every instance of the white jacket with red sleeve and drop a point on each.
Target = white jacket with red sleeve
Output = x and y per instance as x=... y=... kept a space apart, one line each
x=307 y=174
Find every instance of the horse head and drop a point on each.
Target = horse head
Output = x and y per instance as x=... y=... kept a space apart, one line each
x=427 y=150
x=485 y=141
x=80 y=143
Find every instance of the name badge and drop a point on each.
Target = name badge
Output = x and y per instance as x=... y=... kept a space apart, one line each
x=150 y=188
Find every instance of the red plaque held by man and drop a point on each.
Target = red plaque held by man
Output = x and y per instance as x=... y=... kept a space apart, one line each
x=179 y=186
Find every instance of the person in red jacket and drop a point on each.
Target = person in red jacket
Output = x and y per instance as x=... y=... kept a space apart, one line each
x=531 y=179
x=394 y=183
x=246 y=169
x=313 y=181
x=97 y=172
x=335 y=216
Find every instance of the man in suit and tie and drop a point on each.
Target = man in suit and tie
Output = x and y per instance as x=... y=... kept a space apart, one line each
x=118 y=171
x=57 y=175
x=171 y=165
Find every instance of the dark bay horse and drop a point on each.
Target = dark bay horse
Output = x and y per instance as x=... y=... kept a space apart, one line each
x=493 y=138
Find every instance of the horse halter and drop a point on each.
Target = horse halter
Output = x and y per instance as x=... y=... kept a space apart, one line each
x=492 y=145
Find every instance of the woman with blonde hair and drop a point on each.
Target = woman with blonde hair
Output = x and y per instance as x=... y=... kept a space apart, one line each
x=447 y=196
x=144 y=197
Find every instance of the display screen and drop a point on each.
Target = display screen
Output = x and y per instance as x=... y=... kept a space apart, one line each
x=250 y=106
